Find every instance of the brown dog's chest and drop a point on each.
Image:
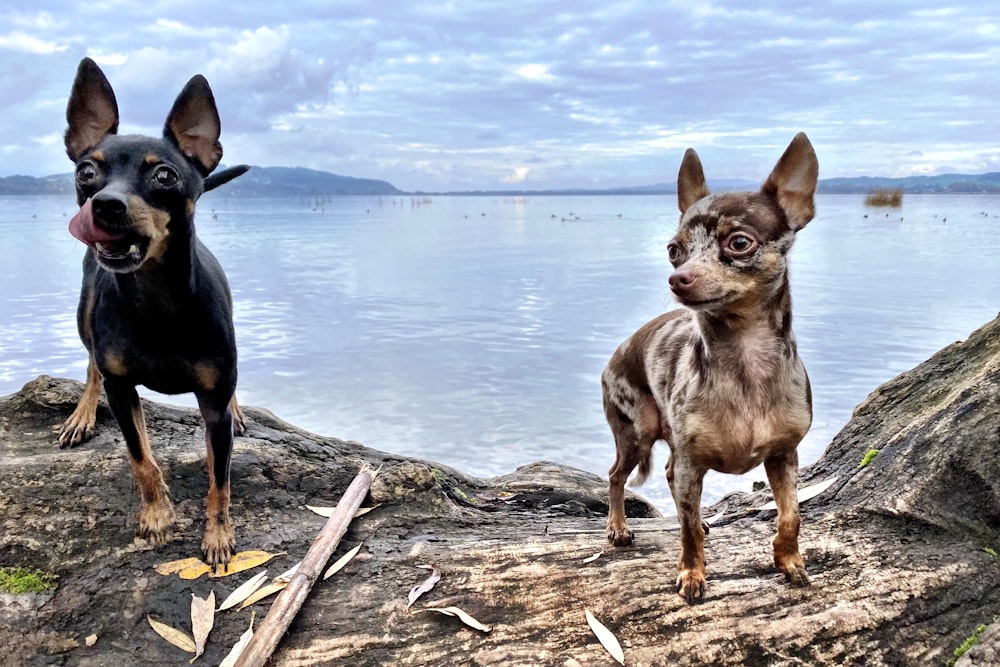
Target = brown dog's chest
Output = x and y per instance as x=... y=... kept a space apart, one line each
x=728 y=422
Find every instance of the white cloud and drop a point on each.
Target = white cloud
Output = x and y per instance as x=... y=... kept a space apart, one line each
x=18 y=41
x=517 y=176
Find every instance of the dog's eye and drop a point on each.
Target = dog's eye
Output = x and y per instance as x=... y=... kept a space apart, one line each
x=165 y=177
x=674 y=252
x=86 y=172
x=741 y=244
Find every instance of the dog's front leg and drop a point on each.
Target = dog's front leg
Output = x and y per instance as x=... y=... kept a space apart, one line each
x=685 y=486
x=156 y=512
x=80 y=425
x=219 y=540
x=782 y=473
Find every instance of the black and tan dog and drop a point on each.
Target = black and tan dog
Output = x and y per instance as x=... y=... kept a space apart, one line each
x=155 y=307
x=719 y=380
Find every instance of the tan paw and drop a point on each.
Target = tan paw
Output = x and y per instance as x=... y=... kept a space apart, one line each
x=619 y=535
x=218 y=544
x=691 y=584
x=155 y=520
x=76 y=430
x=794 y=568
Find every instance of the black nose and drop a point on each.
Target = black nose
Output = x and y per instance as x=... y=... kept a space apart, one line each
x=681 y=280
x=110 y=207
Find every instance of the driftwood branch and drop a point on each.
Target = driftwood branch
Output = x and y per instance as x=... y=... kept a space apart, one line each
x=290 y=600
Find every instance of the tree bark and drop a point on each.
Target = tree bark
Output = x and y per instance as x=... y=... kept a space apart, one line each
x=901 y=552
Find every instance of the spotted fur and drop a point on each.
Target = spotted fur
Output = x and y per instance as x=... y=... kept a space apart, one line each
x=719 y=380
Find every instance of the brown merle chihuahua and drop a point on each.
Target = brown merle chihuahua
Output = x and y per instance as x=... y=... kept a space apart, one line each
x=155 y=307
x=719 y=380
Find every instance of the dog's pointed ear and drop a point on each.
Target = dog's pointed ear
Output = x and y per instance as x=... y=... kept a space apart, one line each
x=193 y=125
x=691 y=184
x=793 y=182
x=91 y=112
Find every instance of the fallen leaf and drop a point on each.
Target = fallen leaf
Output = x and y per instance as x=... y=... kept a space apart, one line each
x=712 y=520
x=239 y=646
x=803 y=494
x=244 y=591
x=247 y=560
x=276 y=585
x=202 y=620
x=591 y=559
x=179 y=639
x=263 y=592
x=341 y=562
x=606 y=637
x=428 y=584
x=463 y=616
x=192 y=568
x=328 y=511
x=90 y=640
x=186 y=568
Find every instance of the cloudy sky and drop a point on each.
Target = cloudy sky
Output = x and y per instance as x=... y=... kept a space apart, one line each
x=492 y=95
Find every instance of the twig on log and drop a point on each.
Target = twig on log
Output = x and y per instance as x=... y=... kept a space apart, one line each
x=290 y=600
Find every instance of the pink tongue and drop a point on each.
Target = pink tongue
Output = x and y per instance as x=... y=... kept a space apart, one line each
x=82 y=227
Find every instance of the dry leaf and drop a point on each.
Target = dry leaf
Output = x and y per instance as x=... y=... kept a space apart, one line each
x=192 y=568
x=186 y=568
x=428 y=584
x=262 y=593
x=803 y=494
x=179 y=639
x=90 y=640
x=712 y=520
x=607 y=639
x=244 y=591
x=247 y=560
x=239 y=646
x=276 y=585
x=328 y=511
x=464 y=617
x=591 y=559
x=202 y=620
x=341 y=562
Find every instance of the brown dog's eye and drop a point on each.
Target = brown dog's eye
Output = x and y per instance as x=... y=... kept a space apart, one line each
x=165 y=177
x=673 y=252
x=741 y=244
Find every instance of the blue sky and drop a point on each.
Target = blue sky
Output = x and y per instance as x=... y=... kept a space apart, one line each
x=492 y=95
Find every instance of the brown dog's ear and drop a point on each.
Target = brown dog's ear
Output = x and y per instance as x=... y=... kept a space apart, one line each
x=92 y=111
x=193 y=124
x=793 y=182
x=691 y=184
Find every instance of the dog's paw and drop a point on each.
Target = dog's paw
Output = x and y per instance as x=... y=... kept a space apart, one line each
x=218 y=544
x=794 y=569
x=620 y=536
x=155 y=520
x=691 y=584
x=75 y=431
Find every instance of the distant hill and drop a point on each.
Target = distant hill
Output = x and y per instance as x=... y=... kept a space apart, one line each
x=943 y=184
x=258 y=182
x=302 y=182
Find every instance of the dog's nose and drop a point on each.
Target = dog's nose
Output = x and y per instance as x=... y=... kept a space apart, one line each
x=109 y=206
x=681 y=280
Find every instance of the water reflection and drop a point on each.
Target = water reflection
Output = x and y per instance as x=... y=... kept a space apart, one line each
x=478 y=340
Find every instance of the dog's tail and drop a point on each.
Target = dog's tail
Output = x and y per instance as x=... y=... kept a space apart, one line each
x=644 y=468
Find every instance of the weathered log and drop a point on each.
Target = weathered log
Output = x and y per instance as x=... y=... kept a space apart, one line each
x=899 y=551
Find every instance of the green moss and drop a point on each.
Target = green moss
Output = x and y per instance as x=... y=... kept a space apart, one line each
x=872 y=453
x=19 y=580
x=990 y=551
x=966 y=645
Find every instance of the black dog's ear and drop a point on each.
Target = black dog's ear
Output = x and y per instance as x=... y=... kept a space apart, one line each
x=224 y=176
x=92 y=111
x=193 y=125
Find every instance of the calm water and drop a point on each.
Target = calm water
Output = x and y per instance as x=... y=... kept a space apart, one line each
x=472 y=331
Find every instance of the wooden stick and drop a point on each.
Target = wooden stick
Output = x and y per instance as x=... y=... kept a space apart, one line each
x=290 y=600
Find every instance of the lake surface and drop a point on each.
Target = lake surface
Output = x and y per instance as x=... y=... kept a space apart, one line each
x=472 y=330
